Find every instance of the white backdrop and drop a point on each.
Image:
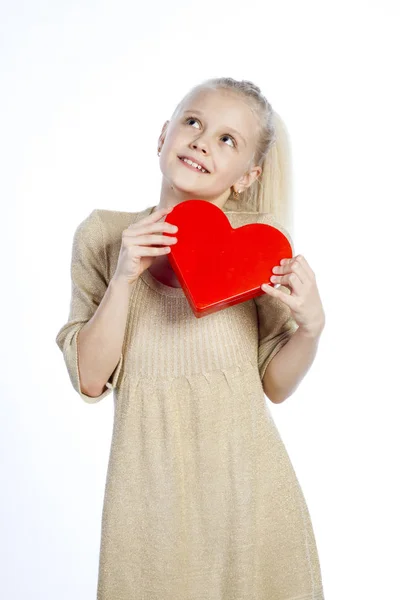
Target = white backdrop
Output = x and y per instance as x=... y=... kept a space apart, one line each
x=85 y=89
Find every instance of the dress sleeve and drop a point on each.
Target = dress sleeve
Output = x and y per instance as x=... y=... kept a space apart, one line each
x=88 y=286
x=275 y=327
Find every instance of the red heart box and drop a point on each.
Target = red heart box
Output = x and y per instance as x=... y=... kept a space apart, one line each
x=218 y=265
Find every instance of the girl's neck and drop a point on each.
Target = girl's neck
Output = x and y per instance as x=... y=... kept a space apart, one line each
x=170 y=196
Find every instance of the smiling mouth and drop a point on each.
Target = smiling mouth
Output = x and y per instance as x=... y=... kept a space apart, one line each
x=193 y=168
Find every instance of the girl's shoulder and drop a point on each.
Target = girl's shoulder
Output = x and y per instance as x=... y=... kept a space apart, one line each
x=104 y=227
x=244 y=218
x=99 y=236
x=240 y=218
x=115 y=221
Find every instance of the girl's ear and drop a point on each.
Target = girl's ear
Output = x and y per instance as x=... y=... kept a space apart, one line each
x=163 y=134
x=248 y=178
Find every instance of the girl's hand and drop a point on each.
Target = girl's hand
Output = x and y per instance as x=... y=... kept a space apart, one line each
x=141 y=243
x=304 y=300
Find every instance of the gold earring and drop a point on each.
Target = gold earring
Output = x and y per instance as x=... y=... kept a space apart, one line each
x=236 y=194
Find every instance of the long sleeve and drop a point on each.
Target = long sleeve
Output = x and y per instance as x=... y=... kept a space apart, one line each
x=88 y=286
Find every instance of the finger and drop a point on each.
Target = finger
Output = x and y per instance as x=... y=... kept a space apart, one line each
x=303 y=267
x=150 y=251
x=158 y=227
x=151 y=240
x=292 y=282
x=160 y=212
x=277 y=293
x=306 y=267
x=157 y=215
x=290 y=265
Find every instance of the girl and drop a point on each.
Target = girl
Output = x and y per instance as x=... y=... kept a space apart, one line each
x=201 y=499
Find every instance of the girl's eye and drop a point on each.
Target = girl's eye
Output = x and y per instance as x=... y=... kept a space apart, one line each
x=225 y=135
x=191 y=119
x=231 y=138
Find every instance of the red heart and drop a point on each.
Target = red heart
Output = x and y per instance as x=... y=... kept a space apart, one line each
x=218 y=265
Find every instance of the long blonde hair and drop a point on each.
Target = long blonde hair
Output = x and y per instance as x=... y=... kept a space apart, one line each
x=272 y=191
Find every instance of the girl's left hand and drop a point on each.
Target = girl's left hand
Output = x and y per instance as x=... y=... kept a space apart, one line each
x=304 y=300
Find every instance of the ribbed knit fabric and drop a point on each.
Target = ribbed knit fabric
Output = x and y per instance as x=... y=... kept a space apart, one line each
x=201 y=499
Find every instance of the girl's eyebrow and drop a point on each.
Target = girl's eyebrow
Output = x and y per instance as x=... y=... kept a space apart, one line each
x=198 y=112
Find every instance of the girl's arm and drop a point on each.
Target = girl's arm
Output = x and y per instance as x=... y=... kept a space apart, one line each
x=100 y=339
x=98 y=311
x=304 y=303
x=289 y=366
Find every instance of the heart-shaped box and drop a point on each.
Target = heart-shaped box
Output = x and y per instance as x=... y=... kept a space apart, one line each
x=218 y=265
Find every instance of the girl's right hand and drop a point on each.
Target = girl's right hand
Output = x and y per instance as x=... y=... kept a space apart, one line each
x=141 y=243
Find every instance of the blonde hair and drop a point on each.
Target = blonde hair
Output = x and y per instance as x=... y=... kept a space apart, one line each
x=271 y=192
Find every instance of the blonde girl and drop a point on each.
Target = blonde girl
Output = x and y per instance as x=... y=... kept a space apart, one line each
x=201 y=499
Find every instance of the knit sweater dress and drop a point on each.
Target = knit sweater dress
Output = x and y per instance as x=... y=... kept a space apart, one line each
x=201 y=499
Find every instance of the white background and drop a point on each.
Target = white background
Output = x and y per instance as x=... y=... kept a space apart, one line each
x=85 y=90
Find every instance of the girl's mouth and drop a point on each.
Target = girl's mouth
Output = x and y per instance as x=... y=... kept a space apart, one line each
x=192 y=168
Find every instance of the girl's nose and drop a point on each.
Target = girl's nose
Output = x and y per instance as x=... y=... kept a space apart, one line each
x=200 y=146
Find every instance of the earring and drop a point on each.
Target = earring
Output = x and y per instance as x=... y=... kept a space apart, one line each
x=236 y=194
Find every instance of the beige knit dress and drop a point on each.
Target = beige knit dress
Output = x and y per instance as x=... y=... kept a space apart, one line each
x=201 y=499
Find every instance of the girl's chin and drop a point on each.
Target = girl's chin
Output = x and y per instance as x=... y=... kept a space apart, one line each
x=182 y=185
x=188 y=194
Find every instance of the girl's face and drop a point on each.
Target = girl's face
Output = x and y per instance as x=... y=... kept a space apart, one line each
x=216 y=129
